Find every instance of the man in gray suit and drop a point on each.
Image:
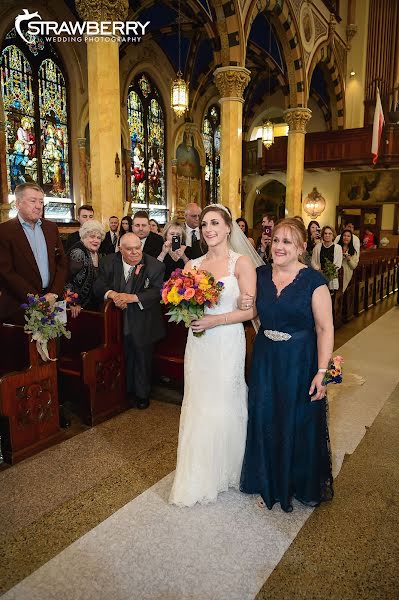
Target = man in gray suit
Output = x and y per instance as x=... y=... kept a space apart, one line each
x=133 y=281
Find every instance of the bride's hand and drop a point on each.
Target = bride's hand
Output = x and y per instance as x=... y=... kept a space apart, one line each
x=207 y=322
x=245 y=301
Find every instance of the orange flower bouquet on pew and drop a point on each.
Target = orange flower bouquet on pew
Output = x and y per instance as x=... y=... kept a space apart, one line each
x=187 y=293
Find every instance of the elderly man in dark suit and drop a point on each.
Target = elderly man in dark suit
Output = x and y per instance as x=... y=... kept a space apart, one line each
x=32 y=259
x=133 y=281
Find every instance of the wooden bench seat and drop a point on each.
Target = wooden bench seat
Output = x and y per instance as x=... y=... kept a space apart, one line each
x=91 y=365
x=29 y=411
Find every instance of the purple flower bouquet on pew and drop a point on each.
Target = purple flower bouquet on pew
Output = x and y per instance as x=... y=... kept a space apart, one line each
x=43 y=322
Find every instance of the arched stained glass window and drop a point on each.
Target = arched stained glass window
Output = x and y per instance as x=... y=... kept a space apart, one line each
x=35 y=104
x=211 y=139
x=53 y=127
x=146 y=121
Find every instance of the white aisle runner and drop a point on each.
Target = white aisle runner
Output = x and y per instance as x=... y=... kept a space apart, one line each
x=149 y=550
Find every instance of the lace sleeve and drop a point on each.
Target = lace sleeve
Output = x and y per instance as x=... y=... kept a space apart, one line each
x=76 y=260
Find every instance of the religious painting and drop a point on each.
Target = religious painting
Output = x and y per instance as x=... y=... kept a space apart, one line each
x=369 y=187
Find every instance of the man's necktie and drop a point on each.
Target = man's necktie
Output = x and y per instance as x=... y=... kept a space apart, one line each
x=193 y=237
x=129 y=274
x=114 y=240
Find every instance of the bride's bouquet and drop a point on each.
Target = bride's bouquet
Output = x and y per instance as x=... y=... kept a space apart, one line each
x=186 y=293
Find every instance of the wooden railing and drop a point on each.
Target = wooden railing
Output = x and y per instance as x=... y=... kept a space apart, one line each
x=326 y=149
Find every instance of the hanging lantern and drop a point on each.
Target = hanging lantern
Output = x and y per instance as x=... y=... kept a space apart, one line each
x=179 y=95
x=267 y=134
x=314 y=204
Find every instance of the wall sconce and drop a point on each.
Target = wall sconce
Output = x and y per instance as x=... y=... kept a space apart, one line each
x=352 y=73
x=314 y=204
x=117 y=165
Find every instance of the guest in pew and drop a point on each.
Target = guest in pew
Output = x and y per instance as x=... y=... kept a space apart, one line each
x=356 y=241
x=174 y=237
x=155 y=227
x=327 y=250
x=83 y=265
x=125 y=227
x=32 y=258
x=350 y=258
x=151 y=243
x=133 y=281
x=369 y=241
x=85 y=212
x=109 y=244
x=243 y=225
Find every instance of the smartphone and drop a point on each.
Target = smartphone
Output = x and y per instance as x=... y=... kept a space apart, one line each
x=318 y=231
x=175 y=242
x=267 y=230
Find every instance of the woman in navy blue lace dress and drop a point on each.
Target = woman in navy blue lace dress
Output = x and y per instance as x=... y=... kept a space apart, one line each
x=287 y=450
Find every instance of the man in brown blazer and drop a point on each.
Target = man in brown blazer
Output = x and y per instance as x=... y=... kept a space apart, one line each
x=32 y=259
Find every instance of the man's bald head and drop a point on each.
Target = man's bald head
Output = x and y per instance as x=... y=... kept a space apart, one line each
x=130 y=247
x=192 y=214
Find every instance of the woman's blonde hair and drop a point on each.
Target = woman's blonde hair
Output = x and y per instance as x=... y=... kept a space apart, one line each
x=174 y=224
x=297 y=229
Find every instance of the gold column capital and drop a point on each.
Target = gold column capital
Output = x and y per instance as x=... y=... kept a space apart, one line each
x=231 y=82
x=297 y=118
x=102 y=10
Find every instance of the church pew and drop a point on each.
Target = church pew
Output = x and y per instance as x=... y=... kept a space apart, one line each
x=391 y=277
x=169 y=352
x=91 y=365
x=360 y=289
x=369 y=289
x=348 y=306
x=384 y=280
x=377 y=281
x=29 y=411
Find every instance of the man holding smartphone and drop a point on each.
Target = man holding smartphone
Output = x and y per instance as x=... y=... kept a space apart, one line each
x=263 y=243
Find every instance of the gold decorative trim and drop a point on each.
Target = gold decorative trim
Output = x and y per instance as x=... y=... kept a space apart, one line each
x=297 y=118
x=102 y=10
x=232 y=81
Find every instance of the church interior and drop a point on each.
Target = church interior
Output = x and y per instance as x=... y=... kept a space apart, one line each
x=268 y=107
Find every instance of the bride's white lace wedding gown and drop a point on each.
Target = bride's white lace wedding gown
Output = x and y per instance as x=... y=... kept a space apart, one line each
x=213 y=420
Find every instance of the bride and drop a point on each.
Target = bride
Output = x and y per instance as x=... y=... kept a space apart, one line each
x=213 y=421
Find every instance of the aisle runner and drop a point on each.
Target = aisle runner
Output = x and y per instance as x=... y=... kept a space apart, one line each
x=149 y=550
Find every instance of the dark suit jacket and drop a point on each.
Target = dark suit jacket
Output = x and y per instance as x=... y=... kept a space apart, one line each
x=146 y=326
x=194 y=251
x=19 y=273
x=107 y=246
x=153 y=244
x=72 y=239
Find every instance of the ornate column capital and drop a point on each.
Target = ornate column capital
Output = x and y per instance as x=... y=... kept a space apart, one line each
x=4 y=212
x=102 y=10
x=297 y=118
x=231 y=82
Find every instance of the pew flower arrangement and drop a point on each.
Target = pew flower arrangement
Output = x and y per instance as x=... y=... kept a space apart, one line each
x=43 y=323
x=334 y=371
x=187 y=293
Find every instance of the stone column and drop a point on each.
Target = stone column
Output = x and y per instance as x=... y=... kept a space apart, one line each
x=231 y=83
x=4 y=205
x=82 y=171
x=104 y=106
x=296 y=119
x=174 y=191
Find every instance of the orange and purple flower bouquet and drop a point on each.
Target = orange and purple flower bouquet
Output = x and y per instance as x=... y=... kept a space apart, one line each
x=334 y=371
x=187 y=293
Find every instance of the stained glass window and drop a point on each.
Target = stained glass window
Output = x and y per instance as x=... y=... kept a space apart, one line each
x=146 y=121
x=35 y=104
x=211 y=139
